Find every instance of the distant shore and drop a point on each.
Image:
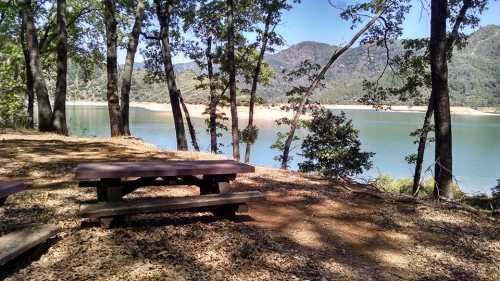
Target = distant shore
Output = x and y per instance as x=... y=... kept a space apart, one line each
x=268 y=112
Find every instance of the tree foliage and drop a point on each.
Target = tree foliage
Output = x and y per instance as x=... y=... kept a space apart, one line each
x=332 y=147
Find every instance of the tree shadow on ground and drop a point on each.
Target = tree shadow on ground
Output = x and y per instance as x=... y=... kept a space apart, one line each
x=308 y=229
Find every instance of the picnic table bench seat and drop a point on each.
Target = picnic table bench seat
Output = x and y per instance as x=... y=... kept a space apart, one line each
x=9 y=188
x=113 y=180
x=209 y=202
x=20 y=241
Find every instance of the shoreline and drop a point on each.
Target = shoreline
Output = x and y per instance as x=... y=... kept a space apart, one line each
x=264 y=112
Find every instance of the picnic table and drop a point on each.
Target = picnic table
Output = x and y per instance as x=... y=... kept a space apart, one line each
x=114 y=180
x=24 y=238
x=9 y=188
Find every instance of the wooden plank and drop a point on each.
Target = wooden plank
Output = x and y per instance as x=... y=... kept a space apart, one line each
x=16 y=243
x=107 y=209
x=8 y=188
x=136 y=183
x=160 y=168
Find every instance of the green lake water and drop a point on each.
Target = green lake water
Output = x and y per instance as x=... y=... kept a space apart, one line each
x=476 y=140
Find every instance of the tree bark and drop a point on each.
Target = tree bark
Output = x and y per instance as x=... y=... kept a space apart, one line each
x=440 y=93
x=430 y=109
x=255 y=81
x=232 y=80
x=192 y=131
x=29 y=77
x=421 y=147
x=115 y=119
x=42 y=95
x=133 y=41
x=59 y=114
x=164 y=12
x=315 y=83
x=212 y=121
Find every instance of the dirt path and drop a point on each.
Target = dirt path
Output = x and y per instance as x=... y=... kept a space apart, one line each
x=308 y=229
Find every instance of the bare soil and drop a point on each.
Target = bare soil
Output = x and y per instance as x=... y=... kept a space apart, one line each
x=308 y=229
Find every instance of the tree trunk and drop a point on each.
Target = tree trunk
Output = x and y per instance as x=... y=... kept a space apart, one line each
x=163 y=13
x=115 y=119
x=42 y=95
x=29 y=78
x=59 y=114
x=192 y=131
x=315 y=83
x=440 y=93
x=133 y=41
x=212 y=122
x=232 y=80
x=421 y=147
x=255 y=81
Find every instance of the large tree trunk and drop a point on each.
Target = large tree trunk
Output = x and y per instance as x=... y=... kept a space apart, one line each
x=29 y=77
x=115 y=118
x=192 y=131
x=133 y=41
x=440 y=93
x=212 y=121
x=163 y=12
x=59 y=114
x=232 y=80
x=421 y=147
x=315 y=83
x=255 y=80
x=42 y=95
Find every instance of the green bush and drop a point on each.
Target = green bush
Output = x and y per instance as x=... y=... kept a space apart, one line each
x=332 y=147
x=405 y=186
x=12 y=114
x=384 y=182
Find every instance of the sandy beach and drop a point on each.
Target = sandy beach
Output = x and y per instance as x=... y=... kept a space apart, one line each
x=264 y=112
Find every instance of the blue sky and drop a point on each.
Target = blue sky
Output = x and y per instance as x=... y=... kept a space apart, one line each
x=317 y=20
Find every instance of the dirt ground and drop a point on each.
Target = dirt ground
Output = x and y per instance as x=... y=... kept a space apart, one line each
x=307 y=229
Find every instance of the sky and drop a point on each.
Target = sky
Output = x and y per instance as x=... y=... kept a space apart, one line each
x=317 y=20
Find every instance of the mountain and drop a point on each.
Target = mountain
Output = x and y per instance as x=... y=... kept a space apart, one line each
x=474 y=74
x=474 y=71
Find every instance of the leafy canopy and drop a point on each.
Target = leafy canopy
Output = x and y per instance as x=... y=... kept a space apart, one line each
x=332 y=147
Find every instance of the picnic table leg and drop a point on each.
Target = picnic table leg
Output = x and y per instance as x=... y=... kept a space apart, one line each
x=215 y=185
x=110 y=190
x=209 y=185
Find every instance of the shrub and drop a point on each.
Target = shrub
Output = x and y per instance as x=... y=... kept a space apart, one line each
x=496 y=190
x=384 y=182
x=405 y=185
x=332 y=147
x=12 y=113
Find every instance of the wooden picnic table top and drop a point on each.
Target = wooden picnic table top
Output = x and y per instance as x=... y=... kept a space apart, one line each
x=159 y=168
x=10 y=187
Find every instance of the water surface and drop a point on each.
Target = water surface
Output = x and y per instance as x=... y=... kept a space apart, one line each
x=476 y=140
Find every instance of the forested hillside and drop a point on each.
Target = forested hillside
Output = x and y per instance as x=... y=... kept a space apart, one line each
x=474 y=74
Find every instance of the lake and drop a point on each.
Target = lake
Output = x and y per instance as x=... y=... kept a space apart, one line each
x=476 y=140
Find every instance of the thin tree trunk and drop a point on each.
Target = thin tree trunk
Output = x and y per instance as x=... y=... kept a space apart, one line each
x=421 y=147
x=133 y=41
x=430 y=109
x=163 y=13
x=232 y=80
x=255 y=81
x=440 y=93
x=59 y=114
x=115 y=119
x=29 y=77
x=315 y=83
x=42 y=95
x=192 y=131
x=212 y=126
